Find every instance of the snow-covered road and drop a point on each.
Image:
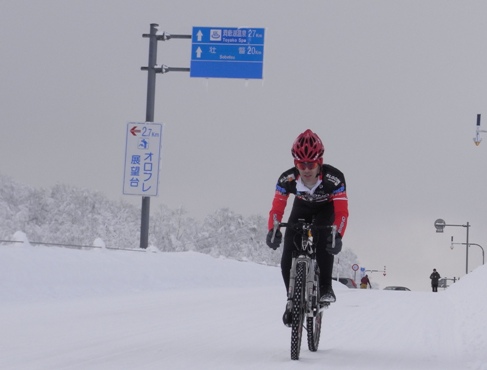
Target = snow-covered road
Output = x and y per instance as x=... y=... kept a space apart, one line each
x=191 y=311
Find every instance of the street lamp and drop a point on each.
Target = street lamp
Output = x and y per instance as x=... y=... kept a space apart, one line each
x=478 y=245
x=440 y=225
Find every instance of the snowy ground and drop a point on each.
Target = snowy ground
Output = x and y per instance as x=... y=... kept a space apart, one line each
x=101 y=309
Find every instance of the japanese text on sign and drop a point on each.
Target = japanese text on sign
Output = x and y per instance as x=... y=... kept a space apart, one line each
x=142 y=158
x=226 y=52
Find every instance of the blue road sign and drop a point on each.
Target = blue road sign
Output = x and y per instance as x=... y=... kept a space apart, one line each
x=225 y=52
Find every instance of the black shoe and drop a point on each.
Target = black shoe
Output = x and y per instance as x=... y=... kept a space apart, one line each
x=287 y=318
x=327 y=295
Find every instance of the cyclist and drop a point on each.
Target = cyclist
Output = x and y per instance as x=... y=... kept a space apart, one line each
x=320 y=192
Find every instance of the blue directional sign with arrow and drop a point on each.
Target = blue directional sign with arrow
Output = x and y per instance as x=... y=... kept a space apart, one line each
x=226 y=52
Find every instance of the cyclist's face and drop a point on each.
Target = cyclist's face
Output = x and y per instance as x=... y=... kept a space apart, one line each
x=309 y=173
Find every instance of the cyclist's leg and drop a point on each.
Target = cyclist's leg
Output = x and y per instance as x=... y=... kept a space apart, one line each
x=286 y=263
x=299 y=211
x=325 y=262
x=290 y=237
x=287 y=256
x=324 y=259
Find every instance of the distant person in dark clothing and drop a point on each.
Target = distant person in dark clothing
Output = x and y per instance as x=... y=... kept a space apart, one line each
x=363 y=283
x=435 y=276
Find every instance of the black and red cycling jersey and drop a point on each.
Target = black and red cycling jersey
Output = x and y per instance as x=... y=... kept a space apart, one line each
x=330 y=188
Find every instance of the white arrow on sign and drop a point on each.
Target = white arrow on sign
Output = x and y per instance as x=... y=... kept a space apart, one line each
x=198 y=52
x=200 y=35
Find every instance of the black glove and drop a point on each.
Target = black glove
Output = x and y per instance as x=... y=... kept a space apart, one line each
x=338 y=244
x=277 y=239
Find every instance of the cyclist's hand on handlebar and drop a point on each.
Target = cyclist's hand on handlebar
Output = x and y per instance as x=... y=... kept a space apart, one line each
x=277 y=239
x=338 y=244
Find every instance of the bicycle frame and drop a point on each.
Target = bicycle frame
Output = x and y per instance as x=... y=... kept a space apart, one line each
x=303 y=293
x=306 y=253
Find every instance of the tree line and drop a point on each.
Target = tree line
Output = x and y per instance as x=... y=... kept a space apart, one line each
x=66 y=214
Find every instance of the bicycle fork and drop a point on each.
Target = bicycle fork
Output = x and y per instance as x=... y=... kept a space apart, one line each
x=311 y=305
x=312 y=287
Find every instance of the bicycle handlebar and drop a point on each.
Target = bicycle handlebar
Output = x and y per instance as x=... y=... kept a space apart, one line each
x=303 y=225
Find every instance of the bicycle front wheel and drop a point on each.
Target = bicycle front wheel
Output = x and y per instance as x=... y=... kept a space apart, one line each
x=298 y=311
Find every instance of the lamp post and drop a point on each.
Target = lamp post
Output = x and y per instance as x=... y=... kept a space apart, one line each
x=478 y=245
x=440 y=225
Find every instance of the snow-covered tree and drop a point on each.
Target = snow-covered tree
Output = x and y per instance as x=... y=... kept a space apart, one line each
x=69 y=215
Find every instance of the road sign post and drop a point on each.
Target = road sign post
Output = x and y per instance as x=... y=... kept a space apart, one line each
x=223 y=52
x=355 y=268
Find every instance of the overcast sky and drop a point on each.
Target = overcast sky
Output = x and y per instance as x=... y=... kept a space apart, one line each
x=392 y=87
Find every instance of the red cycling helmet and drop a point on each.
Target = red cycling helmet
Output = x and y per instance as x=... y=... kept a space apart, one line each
x=307 y=147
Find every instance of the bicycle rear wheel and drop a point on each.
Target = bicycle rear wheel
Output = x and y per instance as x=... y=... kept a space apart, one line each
x=298 y=311
x=313 y=326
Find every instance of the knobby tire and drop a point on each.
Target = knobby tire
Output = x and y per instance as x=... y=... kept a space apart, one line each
x=313 y=324
x=298 y=311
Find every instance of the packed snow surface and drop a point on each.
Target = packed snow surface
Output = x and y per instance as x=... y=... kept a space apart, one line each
x=65 y=308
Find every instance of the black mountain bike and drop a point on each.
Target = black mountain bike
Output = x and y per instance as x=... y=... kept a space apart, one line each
x=304 y=287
